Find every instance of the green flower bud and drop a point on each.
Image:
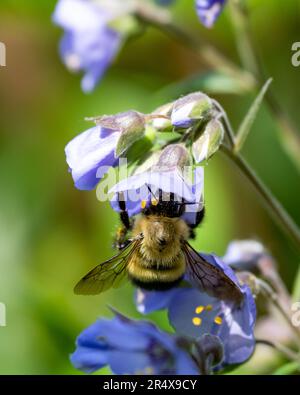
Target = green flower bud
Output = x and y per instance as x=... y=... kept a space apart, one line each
x=174 y=155
x=161 y=118
x=191 y=109
x=209 y=142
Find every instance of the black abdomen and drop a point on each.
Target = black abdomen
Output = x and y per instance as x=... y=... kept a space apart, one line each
x=155 y=285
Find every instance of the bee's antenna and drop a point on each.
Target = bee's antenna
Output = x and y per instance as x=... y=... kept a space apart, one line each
x=149 y=189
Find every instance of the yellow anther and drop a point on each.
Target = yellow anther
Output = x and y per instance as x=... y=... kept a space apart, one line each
x=208 y=307
x=199 y=309
x=143 y=204
x=197 y=321
x=218 y=320
x=154 y=202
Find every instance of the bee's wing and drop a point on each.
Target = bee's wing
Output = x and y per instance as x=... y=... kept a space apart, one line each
x=109 y=273
x=208 y=277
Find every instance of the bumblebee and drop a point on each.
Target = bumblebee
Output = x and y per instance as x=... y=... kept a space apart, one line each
x=158 y=254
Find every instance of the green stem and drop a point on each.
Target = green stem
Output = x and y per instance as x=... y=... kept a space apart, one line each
x=272 y=296
x=240 y=22
x=276 y=209
x=212 y=57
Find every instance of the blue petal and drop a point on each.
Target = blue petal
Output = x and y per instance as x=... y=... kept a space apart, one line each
x=80 y=15
x=149 y=301
x=135 y=190
x=87 y=153
x=244 y=252
x=167 y=181
x=185 y=364
x=182 y=310
x=88 y=44
x=129 y=347
x=124 y=362
x=89 y=360
x=209 y=10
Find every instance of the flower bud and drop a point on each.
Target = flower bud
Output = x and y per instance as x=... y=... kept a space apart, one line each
x=191 y=109
x=209 y=141
x=131 y=125
x=162 y=123
x=174 y=155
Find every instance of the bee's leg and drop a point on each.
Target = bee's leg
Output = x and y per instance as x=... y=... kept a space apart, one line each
x=120 y=239
x=199 y=219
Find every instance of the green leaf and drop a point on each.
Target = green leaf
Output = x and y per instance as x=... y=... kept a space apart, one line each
x=209 y=142
x=288 y=368
x=250 y=117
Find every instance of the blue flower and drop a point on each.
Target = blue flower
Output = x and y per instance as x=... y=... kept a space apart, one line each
x=89 y=44
x=194 y=313
x=90 y=155
x=141 y=189
x=244 y=253
x=131 y=347
x=209 y=10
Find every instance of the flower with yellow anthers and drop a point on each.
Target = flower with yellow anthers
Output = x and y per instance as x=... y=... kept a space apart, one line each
x=194 y=313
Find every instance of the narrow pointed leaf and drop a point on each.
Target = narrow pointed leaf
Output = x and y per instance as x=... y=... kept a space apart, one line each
x=250 y=117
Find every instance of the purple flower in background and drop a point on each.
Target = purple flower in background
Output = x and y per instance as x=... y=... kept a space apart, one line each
x=89 y=44
x=131 y=347
x=244 y=252
x=209 y=10
x=194 y=313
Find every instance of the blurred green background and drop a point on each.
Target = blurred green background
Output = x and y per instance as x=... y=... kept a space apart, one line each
x=51 y=233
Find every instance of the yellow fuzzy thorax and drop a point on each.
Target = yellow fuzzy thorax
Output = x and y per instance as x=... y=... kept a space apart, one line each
x=159 y=257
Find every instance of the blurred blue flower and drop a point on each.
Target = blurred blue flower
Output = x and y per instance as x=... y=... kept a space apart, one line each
x=209 y=10
x=89 y=44
x=194 y=313
x=131 y=347
x=244 y=253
